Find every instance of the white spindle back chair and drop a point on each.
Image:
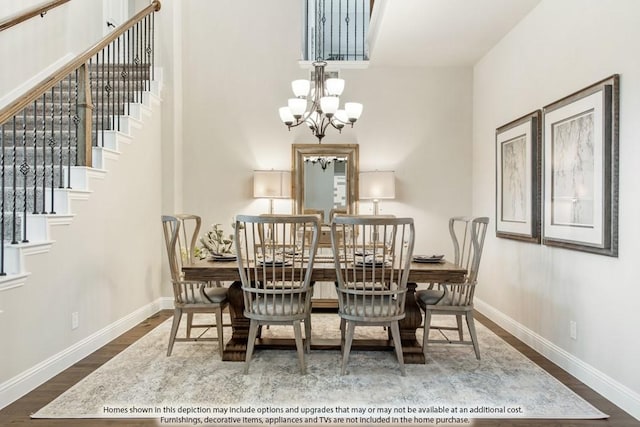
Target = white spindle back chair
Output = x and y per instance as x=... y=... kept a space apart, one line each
x=372 y=257
x=181 y=235
x=275 y=263
x=467 y=235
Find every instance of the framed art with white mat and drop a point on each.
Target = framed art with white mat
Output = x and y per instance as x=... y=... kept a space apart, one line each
x=518 y=166
x=581 y=170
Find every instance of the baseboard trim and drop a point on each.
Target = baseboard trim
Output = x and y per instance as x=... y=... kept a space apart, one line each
x=28 y=380
x=619 y=394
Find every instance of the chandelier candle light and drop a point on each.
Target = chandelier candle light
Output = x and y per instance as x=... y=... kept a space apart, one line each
x=318 y=106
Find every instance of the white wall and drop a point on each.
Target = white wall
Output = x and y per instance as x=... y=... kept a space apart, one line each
x=105 y=265
x=415 y=121
x=559 y=48
x=34 y=45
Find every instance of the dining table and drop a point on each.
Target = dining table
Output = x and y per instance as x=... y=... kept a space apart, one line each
x=324 y=271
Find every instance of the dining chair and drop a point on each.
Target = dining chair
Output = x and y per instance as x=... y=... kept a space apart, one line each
x=190 y=297
x=372 y=258
x=456 y=299
x=276 y=274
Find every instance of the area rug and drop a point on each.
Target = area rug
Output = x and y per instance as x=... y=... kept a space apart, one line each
x=193 y=386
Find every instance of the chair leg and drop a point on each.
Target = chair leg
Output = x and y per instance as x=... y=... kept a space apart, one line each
x=342 y=332
x=472 y=331
x=220 y=331
x=347 y=346
x=189 y=324
x=460 y=332
x=307 y=333
x=427 y=327
x=297 y=331
x=253 y=331
x=177 y=315
x=395 y=333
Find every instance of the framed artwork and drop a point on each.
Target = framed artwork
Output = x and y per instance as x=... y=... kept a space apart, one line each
x=581 y=170
x=518 y=169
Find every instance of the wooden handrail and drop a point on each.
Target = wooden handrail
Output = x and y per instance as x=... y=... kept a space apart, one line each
x=40 y=9
x=47 y=83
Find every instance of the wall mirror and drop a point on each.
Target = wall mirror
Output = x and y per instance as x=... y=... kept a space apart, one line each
x=325 y=178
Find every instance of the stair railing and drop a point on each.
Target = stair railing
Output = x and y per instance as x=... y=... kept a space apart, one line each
x=56 y=124
x=39 y=9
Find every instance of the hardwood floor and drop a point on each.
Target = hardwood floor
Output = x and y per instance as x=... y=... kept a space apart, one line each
x=17 y=414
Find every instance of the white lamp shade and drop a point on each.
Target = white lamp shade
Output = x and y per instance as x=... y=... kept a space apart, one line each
x=377 y=185
x=300 y=87
x=334 y=87
x=329 y=105
x=272 y=184
x=340 y=118
x=297 y=106
x=286 y=116
x=354 y=110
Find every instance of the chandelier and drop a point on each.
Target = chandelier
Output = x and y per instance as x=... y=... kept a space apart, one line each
x=318 y=106
x=324 y=161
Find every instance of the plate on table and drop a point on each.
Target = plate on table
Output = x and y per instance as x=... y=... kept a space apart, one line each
x=428 y=258
x=362 y=253
x=274 y=263
x=370 y=261
x=372 y=264
x=222 y=257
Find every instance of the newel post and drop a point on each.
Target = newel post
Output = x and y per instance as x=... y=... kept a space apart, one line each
x=85 y=114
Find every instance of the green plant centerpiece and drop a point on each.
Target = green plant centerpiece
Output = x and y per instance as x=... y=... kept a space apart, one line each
x=214 y=242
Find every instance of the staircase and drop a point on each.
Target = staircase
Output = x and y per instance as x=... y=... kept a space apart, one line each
x=39 y=163
x=56 y=139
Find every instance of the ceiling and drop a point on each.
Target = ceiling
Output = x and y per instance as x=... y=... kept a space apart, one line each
x=440 y=33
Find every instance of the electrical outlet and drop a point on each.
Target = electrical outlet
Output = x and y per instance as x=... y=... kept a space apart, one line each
x=573 y=330
x=74 y=320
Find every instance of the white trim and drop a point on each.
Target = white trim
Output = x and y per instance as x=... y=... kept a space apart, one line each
x=375 y=23
x=617 y=393
x=34 y=80
x=28 y=380
x=11 y=281
x=337 y=65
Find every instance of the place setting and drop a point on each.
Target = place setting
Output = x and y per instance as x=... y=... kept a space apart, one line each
x=428 y=259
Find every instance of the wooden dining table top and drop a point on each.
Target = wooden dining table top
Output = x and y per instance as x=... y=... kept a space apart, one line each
x=324 y=271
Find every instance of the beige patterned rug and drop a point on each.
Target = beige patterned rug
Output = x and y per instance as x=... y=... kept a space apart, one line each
x=193 y=387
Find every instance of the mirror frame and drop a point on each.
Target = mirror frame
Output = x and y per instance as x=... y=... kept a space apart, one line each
x=300 y=151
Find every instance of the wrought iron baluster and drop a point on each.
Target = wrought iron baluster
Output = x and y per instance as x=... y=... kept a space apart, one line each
x=76 y=122
x=116 y=81
x=153 y=46
x=331 y=31
x=69 y=136
x=144 y=53
x=134 y=76
x=35 y=157
x=108 y=89
x=128 y=71
x=346 y=20
x=340 y=29
x=52 y=144
x=102 y=98
x=61 y=184
x=94 y=101
x=364 y=54
x=148 y=66
x=14 y=170
x=139 y=61
x=44 y=151
x=2 y=182
x=24 y=170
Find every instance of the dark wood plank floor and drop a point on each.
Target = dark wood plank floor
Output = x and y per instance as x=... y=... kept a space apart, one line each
x=17 y=414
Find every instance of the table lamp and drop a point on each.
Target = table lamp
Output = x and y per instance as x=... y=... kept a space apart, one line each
x=271 y=185
x=377 y=185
